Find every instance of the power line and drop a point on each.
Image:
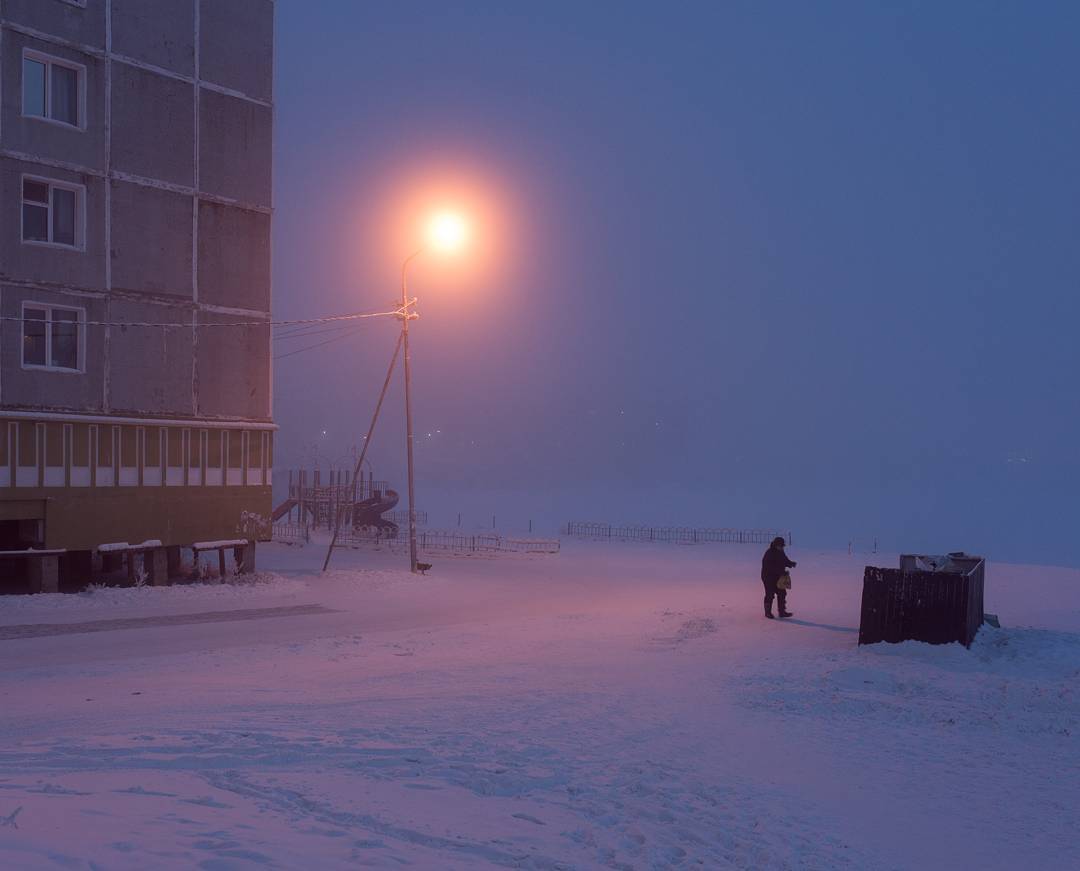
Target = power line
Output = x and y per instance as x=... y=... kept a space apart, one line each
x=181 y=326
x=304 y=332
x=347 y=335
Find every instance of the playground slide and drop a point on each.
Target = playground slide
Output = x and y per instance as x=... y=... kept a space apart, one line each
x=283 y=509
x=370 y=512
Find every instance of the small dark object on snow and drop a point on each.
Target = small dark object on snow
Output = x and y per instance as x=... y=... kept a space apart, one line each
x=992 y=620
x=423 y=568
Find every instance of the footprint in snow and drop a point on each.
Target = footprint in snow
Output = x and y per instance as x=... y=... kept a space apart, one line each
x=54 y=789
x=138 y=790
x=694 y=628
x=205 y=801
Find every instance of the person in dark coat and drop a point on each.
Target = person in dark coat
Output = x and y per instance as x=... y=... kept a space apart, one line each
x=773 y=565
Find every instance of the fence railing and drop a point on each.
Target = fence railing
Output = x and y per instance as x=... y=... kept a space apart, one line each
x=402 y=517
x=673 y=534
x=291 y=533
x=335 y=485
x=429 y=540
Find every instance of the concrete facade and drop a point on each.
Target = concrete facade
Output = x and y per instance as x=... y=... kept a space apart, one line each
x=157 y=432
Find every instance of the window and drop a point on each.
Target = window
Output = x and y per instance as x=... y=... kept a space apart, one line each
x=52 y=212
x=52 y=337
x=53 y=89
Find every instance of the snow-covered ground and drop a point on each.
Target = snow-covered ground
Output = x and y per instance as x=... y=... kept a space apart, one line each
x=609 y=707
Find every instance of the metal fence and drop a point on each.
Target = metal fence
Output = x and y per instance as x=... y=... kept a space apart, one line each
x=401 y=518
x=449 y=542
x=337 y=486
x=673 y=534
x=291 y=533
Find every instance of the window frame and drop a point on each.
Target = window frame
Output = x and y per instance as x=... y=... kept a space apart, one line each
x=80 y=335
x=80 y=212
x=50 y=61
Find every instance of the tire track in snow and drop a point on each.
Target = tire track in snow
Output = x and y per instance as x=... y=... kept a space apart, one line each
x=296 y=803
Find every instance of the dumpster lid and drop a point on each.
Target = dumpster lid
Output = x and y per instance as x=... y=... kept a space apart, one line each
x=956 y=562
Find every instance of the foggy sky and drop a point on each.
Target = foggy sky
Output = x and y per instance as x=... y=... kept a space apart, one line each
x=811 y=266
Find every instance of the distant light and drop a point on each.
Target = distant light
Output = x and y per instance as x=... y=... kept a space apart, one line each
x=447 y=231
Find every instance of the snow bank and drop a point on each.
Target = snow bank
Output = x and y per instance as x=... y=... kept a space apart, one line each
x=147 y=600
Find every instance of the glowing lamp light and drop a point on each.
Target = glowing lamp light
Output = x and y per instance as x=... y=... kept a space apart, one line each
x=447 y=231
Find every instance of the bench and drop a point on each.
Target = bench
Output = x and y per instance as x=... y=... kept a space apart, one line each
x=243 y=554
x=155 y=562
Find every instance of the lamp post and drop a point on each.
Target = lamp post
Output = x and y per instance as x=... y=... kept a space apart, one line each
x=447 y=232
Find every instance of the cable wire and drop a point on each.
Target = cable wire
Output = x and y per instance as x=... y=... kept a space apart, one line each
x=304 y=332
x=182 y=326
x=363 y=452
x=347 y=335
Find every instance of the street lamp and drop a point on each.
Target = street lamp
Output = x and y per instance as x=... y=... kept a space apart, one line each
x=446 y=232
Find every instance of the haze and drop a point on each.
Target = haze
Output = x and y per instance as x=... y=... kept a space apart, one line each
x=811 y=266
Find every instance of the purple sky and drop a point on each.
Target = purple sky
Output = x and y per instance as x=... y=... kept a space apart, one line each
x=804 y=265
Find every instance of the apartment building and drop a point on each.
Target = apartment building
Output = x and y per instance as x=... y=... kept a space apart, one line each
x=135 y=211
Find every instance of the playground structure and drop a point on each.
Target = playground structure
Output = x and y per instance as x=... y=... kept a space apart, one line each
x=340 y=500
x=361 y=510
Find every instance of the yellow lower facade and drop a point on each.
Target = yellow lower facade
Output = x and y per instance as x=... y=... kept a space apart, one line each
x=77 y=483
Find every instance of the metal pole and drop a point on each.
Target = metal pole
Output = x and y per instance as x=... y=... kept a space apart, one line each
x=406 y=316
